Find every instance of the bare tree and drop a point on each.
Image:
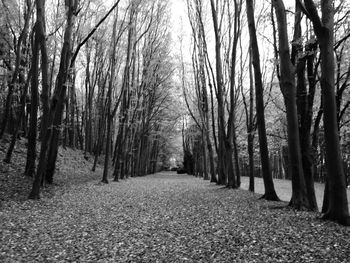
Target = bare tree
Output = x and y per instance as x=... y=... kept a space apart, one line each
x=270 y=193
x=50 y=139
x=336 y=203
x=288 y=88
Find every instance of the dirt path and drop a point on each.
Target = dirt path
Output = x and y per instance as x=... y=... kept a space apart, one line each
x=164 y=218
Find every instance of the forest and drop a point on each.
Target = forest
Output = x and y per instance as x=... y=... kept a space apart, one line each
x=219 y=89
x=111 y=112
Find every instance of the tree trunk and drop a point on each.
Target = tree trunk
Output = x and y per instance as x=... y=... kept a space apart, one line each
x=222 y=171
x=270 y=193
x=106 y=163
x=19 y=121
x=204 y=154
x=287 y=84
x=32 y=135
x=338 y=209
x=109 y=102
x=211 y=157
x=49 y=145
x=338 y=204
x=119 y=168
x=235 y=153
x=250 y=127
x=304 y=131
x=101 y=129
x=71 y=126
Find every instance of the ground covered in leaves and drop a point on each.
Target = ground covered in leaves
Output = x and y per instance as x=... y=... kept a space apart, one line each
x=71 y=168
x=157 y=218
x=164 y=218
x=284 y=189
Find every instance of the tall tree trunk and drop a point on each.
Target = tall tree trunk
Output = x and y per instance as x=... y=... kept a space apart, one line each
x=305 y=117
x=299 y=198
x=270 y=193
x=338 y=204
x=49 y=145
x=40 y=36
x=109 y=102
x=338 y=209
x=222 y=149
x=119 y=162
x=305 y=132
x=233 y=175
x=72 y=126
x=88 y=108
x=65 y=81
x=32 y=135
x=204 y=105
x=101 y=127
x=250 y=127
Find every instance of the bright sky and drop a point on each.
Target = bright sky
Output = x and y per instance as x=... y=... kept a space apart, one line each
x=180 y=24
x=178 y=12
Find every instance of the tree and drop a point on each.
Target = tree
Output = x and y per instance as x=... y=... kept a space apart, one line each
x=53 y=117
x=304 y=101
x=22 y=62
x=18 y=73
x=270 y=193
x=195 y=15
x=250 y=122
x=118 y=172
x=113 y=71
x=50 y=140
x=337 y=203
x=144 y=90
x=225 y=149
x=32 y=136
x=287 y=84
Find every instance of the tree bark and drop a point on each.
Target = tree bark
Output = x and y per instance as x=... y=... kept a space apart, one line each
x=338 y=204
x=49 y=145
x=299 y=198
x=223 y=162
x=250 y=127
x=270 y=193
x=32 y=135
x=118 y=172
x=109 y=101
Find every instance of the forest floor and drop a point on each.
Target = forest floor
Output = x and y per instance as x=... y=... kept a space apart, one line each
x=284 y=189
x=71 y=168
x=157 y=218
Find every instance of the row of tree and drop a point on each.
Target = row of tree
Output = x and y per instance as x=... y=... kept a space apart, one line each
x=80 y=75
x=237 y=84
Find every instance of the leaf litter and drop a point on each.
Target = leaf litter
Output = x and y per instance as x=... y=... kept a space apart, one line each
x=165 y=218
x=158 y=218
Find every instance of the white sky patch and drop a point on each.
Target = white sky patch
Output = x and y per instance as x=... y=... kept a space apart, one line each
x=180 y=26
